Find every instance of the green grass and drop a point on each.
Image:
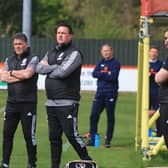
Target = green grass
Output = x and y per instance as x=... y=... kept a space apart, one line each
x=122 y=153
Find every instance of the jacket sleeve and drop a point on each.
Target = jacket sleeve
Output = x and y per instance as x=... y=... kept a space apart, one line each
x=69 y=64
x=97 y=72
x=33 y=63
x=113 y=73
x=44 y=69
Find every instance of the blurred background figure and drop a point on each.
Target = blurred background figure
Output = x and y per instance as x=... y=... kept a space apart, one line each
x=107 y=73
x=154 y=66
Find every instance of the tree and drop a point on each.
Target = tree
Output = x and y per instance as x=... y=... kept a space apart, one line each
x=45 y=15
x=117 y=19
x=105 y=19
x=10 y=21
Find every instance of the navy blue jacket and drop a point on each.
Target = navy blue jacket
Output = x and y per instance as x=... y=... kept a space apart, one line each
x=107 y=73
x=154 y=68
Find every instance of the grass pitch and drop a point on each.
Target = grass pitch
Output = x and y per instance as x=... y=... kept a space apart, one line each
x=121 y=155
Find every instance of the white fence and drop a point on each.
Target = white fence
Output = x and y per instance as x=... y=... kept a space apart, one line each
x=127 y=80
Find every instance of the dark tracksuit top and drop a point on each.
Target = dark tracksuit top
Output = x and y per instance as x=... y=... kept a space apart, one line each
x=26 y=90
x=68 y=87
x=163 y=100
x=107 y=82
x=163 y=90
x=154 y=67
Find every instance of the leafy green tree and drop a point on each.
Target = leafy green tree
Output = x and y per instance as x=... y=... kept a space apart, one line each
x=105 y=19
x=10 y=16
x=117 y=19
x=46 y=14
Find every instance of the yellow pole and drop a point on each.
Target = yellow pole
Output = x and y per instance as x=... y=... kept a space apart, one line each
x=145 y=89
x=145 y=94
x=154 y=118
x=158 y=146
x=139 y=96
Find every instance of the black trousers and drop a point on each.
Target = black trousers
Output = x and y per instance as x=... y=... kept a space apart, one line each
x=14 y=113
x=164 y=121
x=64 y=119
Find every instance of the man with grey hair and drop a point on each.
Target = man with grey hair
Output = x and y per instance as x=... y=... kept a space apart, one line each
x=107 y=73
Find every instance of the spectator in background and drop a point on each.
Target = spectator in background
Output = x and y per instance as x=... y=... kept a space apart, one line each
x=107 y=74
x=161 y=78
x=154 y=67
x=19 y=73
x=62 y=65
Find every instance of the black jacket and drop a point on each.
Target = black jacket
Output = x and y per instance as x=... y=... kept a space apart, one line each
x=26 y=90
x=67 y=87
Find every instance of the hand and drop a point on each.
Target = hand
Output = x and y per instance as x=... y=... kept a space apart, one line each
x=151 y=112
x=105 y=69
x=44 y=62
x=152 y=71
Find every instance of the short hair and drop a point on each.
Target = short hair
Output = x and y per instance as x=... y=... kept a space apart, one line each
x=64 y=25
x=20 y=36
x=154 y=46
x=108 y=45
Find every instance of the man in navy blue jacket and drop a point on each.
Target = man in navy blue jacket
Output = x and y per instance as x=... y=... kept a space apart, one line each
x=107 y=72
x=154 y=67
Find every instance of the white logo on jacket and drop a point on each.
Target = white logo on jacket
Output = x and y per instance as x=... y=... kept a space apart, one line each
x=24 y=61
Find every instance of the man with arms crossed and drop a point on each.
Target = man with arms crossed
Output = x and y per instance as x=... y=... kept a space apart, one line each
x=107 y=74
x=62 y=65
x=19 y=73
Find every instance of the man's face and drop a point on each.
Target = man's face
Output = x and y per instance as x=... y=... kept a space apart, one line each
x=107 y=52
x=153 y=53
x=20 y=46
x=166 y=39
x=63 y=36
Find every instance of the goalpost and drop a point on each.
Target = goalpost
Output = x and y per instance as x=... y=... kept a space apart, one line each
x=149 y=9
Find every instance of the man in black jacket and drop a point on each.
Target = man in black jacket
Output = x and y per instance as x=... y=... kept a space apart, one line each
x=19 y=73
x=161 y=78
x=62 y=65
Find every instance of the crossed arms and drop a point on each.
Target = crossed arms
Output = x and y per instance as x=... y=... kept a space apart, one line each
x=18 y=75
x=68 y=65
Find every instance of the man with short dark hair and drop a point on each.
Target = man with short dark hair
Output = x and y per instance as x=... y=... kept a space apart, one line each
x=19 y=73
x=62 y=65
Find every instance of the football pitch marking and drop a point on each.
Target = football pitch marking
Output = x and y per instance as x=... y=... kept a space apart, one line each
x=66 y=145
x=2 y=109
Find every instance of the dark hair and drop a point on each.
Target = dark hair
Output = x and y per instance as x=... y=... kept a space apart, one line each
x=154 y=46
x=64 y=25
x=20 y=36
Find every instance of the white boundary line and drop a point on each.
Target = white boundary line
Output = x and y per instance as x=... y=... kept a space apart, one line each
x=66 y=145
x=2 y=109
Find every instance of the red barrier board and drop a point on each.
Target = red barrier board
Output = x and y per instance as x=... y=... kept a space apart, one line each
x=154 y=7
